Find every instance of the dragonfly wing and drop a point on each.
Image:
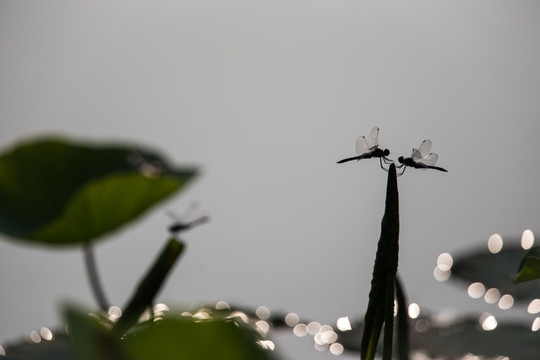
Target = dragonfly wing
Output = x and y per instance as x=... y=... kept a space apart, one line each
x=362 y=146
x=173 y=216
x=190 y=212
x=425 y=147
x=416 y=155
x=430 y=159
x=373 y=138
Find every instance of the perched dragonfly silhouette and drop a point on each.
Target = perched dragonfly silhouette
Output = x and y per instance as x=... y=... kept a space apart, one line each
x=182 y=224
x=369 y=148
x=421 y=158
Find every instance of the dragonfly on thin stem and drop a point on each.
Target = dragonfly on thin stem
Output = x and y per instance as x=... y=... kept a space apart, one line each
x=181 y=224
x=369 y=148
x=420 y=158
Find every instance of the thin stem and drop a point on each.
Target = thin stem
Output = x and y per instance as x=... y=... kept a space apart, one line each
x=91 y=271
x=149 y=286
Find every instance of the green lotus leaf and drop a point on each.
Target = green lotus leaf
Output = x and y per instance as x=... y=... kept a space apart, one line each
x=163 y=339
x=195 y=340
x=59 y=192
x=529 y=269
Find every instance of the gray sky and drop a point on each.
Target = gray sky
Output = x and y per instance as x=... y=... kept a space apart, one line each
x=265 y=96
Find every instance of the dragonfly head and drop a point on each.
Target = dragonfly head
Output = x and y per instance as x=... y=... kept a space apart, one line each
x=401 y=159
x=386 y=152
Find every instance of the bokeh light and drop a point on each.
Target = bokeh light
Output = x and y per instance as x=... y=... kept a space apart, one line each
x=204 y=314
x=414 y=310
x=267 y=344
x=262 y=312
x=336 y=349
x=492 y=296
x=476 y=290
x=445 y=262
x=495 y=243
x=35 y=337
x=159 y=307
x=506 y=302
x=239 y=315
x=488 y=322
x=46 y=333
x=318 y=339
x=159 y=310
x=441 y=275
x=320 y=347
x=263 y=326
x=536 y=324
x=222 y=305
x=313 y=327
x=329 y=336
x=527 y=239
x=343 y=324
x=291 y=319
x=300 y=330
x=534 y=307
x=114 y=313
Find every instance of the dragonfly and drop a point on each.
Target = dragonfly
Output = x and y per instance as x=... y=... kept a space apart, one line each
x=369 y=148
x=179 y=225
x=421 y=158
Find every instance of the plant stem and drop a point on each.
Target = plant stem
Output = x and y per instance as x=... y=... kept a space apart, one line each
x=149 y=286
x=91 y=271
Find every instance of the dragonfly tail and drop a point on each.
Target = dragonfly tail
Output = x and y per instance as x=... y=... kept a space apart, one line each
x=348 y=159
x=438 y=168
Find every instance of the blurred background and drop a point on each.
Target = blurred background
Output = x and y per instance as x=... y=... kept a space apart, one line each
x=264 y=97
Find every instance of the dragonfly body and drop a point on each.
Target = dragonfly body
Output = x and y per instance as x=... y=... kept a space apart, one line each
x=411 y=163
x=182 y=224
x=377 y=152
x=178 y=226
x=421 y=158
x=369 y=148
